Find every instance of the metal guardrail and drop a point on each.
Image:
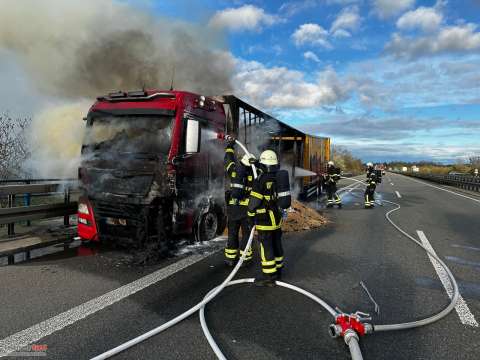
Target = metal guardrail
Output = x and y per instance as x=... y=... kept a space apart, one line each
x=12 y=214
x=465 y=182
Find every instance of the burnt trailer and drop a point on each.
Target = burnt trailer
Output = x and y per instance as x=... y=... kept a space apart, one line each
x=152 y=163
x=305 y=156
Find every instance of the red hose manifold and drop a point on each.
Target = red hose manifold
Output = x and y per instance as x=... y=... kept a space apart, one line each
x=352 y=322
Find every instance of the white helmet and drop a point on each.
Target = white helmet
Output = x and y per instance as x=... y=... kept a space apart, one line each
x=331 y=163
x=369 y=164
x=268 y=157
x=246 y=159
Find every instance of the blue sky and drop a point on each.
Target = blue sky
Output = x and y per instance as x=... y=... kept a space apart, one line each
x=387 y=79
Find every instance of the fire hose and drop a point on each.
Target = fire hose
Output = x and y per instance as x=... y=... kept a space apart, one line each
x=348 y=326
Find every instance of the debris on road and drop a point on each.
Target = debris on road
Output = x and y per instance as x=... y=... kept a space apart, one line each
x=302 y=217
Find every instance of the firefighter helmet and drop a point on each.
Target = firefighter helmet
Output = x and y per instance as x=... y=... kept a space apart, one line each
x=268 y=158
x=331 y=163
x=369 y=164
x=246 y=159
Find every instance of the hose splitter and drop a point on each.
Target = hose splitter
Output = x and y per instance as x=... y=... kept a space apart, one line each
x=350 y=327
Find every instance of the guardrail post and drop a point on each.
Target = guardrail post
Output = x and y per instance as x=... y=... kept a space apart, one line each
x=66 y=198
x=27 y=200
x=11 y=226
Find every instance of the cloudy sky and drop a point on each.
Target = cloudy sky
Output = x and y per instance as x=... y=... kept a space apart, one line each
x=388 y=79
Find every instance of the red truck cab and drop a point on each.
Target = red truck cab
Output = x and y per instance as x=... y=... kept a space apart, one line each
x=152 y=167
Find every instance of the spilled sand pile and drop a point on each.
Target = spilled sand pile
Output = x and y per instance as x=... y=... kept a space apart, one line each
x=301 y=217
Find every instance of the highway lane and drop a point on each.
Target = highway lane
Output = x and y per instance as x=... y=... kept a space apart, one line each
x=358 y=245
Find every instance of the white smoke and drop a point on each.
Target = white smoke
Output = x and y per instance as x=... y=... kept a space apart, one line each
x=76 y=51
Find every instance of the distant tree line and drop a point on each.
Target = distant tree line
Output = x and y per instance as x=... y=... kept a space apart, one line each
x=13 y=146
x=346 y=161
x=437 y=168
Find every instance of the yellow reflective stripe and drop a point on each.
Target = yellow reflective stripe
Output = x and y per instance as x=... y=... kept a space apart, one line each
x=279 y=258
x=230 y=164
x=250 y=178
x=231 y=256
x=231 y=251
x=249 y=251
x=269 y=271
x=229 y=150
x=268 y=263
x=257 y=195
x=272 y=217
x=244 y=202
x=267 y=197
x=261 y=211
x=279 y=266
x=262 y=253
x=234 y=174
x=250 y=213
x=248 y=188
x=267 y=227
x=233 y=202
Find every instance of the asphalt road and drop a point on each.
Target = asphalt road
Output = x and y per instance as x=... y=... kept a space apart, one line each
x=262 y=323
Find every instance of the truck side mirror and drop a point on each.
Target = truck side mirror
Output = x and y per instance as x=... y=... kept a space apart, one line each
x=192 y=137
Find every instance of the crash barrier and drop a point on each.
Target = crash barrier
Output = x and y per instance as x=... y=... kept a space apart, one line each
x=466 y=182
x=14 y=213
x=347 y=326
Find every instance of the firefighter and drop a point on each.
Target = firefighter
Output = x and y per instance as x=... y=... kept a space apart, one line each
x=330 y=182
x=371 y=186
x=241 y=177
x=269 y=199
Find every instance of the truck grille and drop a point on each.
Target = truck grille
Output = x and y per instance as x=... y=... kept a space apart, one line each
x=131 y=213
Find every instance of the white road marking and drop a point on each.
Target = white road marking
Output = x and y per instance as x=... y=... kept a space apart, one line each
x=36 y=332
x=398 y=194
x=464 y=313
x=449 y=191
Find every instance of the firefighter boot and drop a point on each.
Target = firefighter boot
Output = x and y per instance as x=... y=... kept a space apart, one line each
x=230 y=262
x=279 y=274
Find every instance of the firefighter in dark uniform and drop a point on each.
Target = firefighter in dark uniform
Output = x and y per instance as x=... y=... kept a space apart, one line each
x=269 y=199
x=241 y=178
x=371 y=186
x=330 y=182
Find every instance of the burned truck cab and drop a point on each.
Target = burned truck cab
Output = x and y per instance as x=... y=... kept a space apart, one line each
x=152 y=167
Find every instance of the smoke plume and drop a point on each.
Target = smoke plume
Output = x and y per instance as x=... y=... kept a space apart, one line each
x=79 y=50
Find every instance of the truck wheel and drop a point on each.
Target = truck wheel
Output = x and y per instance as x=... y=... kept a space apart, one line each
x=208 y=226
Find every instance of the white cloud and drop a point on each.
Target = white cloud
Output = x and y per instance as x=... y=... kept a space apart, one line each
x=343 y=2
x=312 y=34
x=280 y=87
x=292 y=8
x=389 y=8
x=427 y=19
x=309 y=55
x=459 y=38
x=347 y=19
x=340 y=33
x=246 y=17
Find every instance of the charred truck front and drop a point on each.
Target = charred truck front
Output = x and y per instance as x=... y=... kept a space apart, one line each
x=152 y=167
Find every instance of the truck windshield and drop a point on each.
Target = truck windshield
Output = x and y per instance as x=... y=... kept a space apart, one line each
x=129 y=134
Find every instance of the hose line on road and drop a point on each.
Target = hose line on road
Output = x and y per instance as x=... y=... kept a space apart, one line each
x=453 y=281
x=209 y=336
x=351 y=338
x=456 y=293
x=209 y=297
